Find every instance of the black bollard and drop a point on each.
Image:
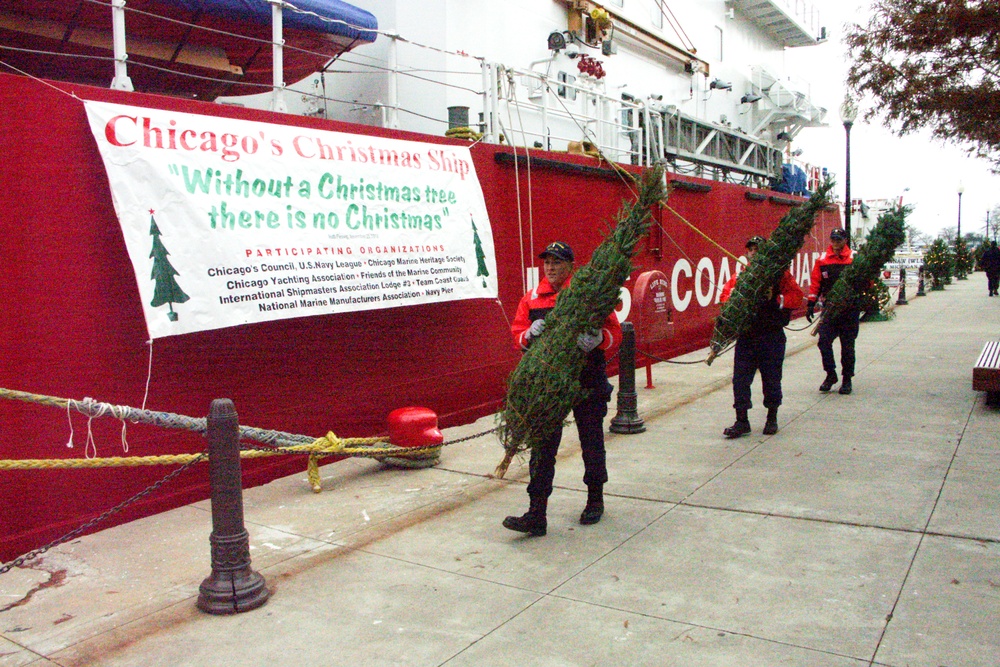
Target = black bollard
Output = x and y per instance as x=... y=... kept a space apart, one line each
x=901 y=300
x=233 y=587
x=920 y=282
x=627 y=420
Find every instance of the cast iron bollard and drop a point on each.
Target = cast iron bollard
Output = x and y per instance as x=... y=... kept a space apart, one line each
x=627 y=420
x=901 y=301
x=233 y=587
x=920 y=282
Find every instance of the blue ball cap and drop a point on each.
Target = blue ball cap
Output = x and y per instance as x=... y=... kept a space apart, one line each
x=558 y=250
x=838 y=235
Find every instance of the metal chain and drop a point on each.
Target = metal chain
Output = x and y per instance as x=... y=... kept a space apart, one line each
x=17 y=562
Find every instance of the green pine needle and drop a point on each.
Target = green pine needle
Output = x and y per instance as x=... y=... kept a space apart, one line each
x=856 y=279
x=765 y=269
x=546 y=383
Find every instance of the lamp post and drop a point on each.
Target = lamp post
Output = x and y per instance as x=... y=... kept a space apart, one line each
x=848 y=114
x=961 y=191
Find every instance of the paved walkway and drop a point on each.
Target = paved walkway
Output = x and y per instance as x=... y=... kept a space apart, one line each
x=865 y=532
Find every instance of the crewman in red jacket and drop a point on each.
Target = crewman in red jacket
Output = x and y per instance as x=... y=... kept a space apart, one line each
x=529 y=324
x=846 y=325
x=761 y=348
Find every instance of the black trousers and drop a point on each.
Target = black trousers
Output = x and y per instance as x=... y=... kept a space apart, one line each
x=589 y=415
x=846 y=329
x=993 y=280
x=764 y=352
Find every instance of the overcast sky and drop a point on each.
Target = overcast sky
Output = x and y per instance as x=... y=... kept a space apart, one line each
x=882 y=164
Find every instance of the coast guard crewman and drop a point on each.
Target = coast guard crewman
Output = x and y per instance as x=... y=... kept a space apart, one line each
x=762 y=348
x=845 y=326
x=529 y=324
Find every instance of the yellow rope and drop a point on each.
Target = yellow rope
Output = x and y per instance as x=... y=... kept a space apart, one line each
x=328 y=445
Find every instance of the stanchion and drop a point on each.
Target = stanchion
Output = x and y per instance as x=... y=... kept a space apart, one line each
x=627 y=420
x=233 y=587
x=920 y=282
x=901 y=300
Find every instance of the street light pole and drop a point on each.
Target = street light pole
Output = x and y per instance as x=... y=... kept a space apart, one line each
x=961 y=191
x=848 y=114
x=958 y=236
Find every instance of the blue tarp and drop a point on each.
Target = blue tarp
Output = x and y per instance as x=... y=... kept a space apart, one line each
x=356 y=22
x=793 y=180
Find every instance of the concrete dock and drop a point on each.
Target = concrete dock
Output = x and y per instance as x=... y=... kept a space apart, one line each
x=865 y=532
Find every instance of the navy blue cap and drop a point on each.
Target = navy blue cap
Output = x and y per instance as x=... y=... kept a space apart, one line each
x=558 y=250
x=838 y=234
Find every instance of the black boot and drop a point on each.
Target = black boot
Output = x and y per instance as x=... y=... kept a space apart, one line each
x=740 y=427
x=831 y=379
x=532 y=522
x=845 y=386
x=771 y=425
x=594 y=510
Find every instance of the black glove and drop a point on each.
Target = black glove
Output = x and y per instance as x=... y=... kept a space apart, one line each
x=810 y=311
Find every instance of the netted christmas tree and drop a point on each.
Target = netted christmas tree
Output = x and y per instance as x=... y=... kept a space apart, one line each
x=764 y=270
x=963 y=259
x=854 y=289
x=546 y=383
x=939 y=262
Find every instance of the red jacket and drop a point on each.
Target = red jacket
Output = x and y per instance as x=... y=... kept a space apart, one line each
x=774 y=313
x=827 y=269
x=790 y=295
x=537 y=303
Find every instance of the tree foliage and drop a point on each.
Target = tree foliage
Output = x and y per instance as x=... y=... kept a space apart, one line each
x=546 y=383
x=932 y=64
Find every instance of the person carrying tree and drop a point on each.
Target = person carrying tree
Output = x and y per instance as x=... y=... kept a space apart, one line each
x=761 y=348
x=589 y=413
x=844 y=326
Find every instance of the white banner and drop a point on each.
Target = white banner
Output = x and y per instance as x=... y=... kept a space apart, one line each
x=229 y=222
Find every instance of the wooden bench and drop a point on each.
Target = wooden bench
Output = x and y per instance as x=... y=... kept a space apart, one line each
x=986 y=373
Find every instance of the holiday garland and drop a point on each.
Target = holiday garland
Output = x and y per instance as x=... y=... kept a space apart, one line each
x=546 y=383
x=857 y=277
x=765 y=269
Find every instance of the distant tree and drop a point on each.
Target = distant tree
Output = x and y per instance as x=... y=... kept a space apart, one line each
x=932 y=64
x=948 y=234
x=918 y=237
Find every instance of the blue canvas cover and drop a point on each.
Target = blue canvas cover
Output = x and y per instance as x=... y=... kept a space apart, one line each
x=346 y=19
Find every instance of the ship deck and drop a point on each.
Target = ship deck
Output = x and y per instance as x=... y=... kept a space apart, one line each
x=865 y=531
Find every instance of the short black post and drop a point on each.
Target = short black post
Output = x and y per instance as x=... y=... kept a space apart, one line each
x=233 y=587
x=901 y=301
x=920 y=282
x=627 y=420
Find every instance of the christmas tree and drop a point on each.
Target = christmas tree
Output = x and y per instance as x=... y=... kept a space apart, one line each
x=963 y=259
x=167 y=290
x=765 y=269
x=939 y=262
x=480 y=255
x=546 y=383
x=855 y=288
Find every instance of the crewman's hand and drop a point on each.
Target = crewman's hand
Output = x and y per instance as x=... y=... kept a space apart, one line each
x=587 y=341
x=536 y=329
x=810 y=311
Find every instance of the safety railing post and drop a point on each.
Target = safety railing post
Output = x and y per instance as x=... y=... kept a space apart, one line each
x=233 y=587
x=920 y=282
x=901 y=300
x=627 y=420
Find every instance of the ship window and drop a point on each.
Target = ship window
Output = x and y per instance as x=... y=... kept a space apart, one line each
x=657 y=13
